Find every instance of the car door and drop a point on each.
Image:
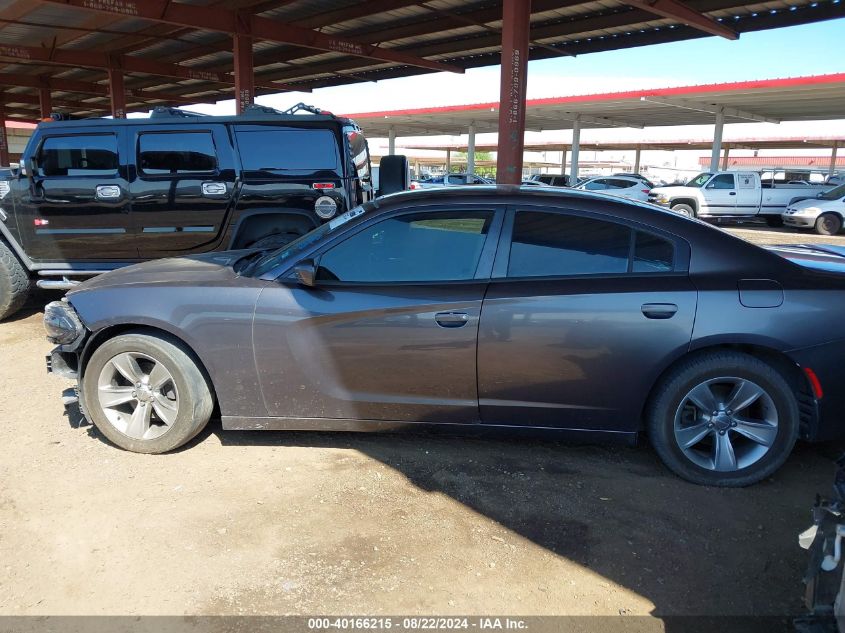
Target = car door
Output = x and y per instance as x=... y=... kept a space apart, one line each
x=76 y=206
x=581 y=312
x=720 y=195
x=389 y=332
x=183 y=182
x=747 y=193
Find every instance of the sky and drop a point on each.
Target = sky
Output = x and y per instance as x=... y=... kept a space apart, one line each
x=812 y=49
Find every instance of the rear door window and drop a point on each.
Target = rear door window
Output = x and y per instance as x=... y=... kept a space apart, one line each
x=81 y=155
x=174 y=153
x=273 y=150
x=556 y=244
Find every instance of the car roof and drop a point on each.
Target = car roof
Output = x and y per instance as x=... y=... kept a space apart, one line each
x=294 y=120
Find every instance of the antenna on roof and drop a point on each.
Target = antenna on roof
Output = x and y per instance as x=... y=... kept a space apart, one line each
x=161 y=112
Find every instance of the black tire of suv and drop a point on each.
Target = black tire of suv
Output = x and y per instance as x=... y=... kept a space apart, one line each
x=665 y=400
x=197 y=402
x=14 y=282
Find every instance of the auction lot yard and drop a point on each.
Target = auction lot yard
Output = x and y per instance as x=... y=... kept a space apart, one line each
x=308 y=523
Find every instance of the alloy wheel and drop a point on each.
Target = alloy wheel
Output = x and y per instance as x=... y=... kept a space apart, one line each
x=726 y=424
x=138 y=395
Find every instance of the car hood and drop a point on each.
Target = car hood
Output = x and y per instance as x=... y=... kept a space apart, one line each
x=206 y=269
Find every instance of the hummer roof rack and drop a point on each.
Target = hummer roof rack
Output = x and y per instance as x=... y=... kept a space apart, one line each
x=161 y=112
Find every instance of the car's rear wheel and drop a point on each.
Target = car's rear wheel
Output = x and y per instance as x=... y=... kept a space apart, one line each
x=146 y=393
x=723 y=419
x=684 y=209
x=14 y=283
x=828 y=224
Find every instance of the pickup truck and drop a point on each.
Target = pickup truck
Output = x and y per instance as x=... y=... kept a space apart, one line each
x=732 y=195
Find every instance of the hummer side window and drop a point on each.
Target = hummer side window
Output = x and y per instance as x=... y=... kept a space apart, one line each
x=83 y=155
x=183 y=153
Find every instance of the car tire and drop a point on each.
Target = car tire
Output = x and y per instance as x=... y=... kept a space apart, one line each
x=14 y=283
x=674 y=421
x=684 y=209
x=774 y=221
x=828 y=224
x=175 y=410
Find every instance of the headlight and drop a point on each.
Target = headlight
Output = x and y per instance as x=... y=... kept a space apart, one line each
x=808 y=211
x=62 y=323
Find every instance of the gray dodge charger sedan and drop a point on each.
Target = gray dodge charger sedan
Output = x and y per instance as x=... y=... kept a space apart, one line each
x=554 y=310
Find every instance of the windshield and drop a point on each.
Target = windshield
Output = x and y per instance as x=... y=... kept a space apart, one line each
x=833 y=194
x=700 y=180
x=277 y=257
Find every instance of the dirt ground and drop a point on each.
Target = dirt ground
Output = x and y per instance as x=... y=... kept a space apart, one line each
x=307 y=523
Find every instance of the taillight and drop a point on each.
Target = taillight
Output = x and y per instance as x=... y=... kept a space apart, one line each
x=646 y=190
x=814 y=383
x=323 y=185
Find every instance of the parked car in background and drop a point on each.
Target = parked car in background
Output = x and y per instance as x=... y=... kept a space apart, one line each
x=553 y=180
x=637 y=176
x=449 y=180
x=825 y=213
x=732 y=195
x=93 y=195
x=625 y=186
x=538 y=309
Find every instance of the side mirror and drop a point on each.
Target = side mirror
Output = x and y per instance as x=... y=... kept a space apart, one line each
x=306 y=273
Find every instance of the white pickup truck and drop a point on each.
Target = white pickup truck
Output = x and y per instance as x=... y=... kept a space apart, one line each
x=733 y=195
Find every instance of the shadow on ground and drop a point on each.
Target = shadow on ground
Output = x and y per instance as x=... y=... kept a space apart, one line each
x=616 y=511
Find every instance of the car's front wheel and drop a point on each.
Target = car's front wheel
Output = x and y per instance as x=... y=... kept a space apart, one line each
x=828 y=224
x=684 y=209
x=723 y=419
x=146 y=393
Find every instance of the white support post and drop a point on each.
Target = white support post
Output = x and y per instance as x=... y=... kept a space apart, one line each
x=563 y=161
x=832 y=169
x=576 y=147
x=391 y=141
x=717 y=140
x=471 y=149
x=448 y=160
x=637 y=160
x=725 y=159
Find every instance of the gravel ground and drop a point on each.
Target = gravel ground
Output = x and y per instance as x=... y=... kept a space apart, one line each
x=307 y=523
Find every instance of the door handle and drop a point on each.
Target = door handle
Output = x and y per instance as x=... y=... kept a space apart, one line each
x=732 y=193
x=451 y=319
x=107 y=192
x=214 y=188
x=659 y=310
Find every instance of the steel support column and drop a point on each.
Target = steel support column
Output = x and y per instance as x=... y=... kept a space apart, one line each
x=833 y=151
x=637 y=160
x=448 y=160
x=717 y=140
x=45 y=101
x=391 y=141
x=516 y=28
x=576 y=148
x=471 y=149
x=244 y=74
x=4 y=141
x=117 y=93
x=726 y=158
x=563 y=161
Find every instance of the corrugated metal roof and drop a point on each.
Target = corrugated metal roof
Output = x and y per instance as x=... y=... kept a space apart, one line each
x=462 y=33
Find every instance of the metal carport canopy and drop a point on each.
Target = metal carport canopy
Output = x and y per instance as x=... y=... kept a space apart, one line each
x=810 y=98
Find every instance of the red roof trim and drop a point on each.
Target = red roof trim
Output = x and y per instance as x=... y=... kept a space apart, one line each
x=737 y=86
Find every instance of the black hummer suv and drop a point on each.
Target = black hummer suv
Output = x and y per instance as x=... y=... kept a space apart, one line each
x=92 y=195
